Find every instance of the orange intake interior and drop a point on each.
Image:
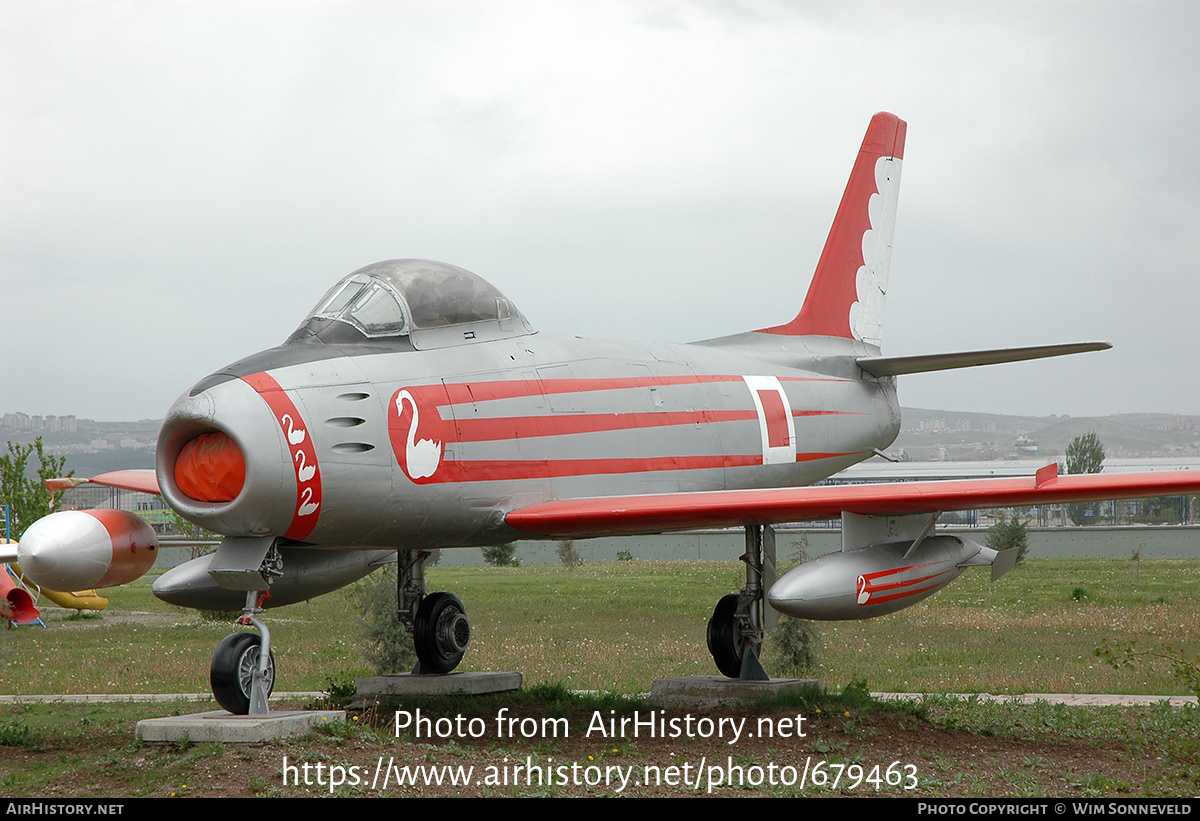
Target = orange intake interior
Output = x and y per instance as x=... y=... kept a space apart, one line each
x=210 y=468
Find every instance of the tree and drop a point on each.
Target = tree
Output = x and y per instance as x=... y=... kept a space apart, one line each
x=797 y=645
x=1008 y=533
x=1085 y=454
x=501 y=555
x=388 y=645
x=28 y=499
x=568 y=555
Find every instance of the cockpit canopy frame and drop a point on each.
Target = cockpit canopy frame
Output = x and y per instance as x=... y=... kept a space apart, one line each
x=434 y=304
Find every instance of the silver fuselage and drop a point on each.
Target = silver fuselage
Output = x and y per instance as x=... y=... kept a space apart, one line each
x=431 y=448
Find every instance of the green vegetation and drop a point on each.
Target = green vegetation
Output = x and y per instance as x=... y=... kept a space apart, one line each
x=614 y=627
x=957 y=747
x=501 y=555
x=793 y=646
x=620 y=625
x=568 y=554
x=27 y=498
x=1126 y=654
x=1007 y=533
x=1085 y=454
x=387 y=645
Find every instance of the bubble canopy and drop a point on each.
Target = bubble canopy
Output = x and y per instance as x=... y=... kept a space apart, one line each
x=399 y=296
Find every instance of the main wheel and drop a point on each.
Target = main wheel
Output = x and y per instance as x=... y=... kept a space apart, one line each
x=441 y=633
x=232 y=671
x=724 y=640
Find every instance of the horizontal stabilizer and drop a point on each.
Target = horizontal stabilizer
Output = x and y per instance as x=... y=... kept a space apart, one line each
x=897 y=365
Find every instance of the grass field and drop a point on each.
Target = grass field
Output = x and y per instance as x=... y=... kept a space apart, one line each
x=618 y=626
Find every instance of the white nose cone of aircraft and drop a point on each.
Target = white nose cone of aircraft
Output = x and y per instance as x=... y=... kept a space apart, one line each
x=81 y=549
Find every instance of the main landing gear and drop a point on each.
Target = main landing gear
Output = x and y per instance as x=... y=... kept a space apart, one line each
x=736 y=630
x=437 y=622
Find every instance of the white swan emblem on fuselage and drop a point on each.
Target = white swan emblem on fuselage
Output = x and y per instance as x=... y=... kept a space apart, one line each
x=305 y=471
x=295 y=435
x=422 y=457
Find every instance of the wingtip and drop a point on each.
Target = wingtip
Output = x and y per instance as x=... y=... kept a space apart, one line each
x=66 y=483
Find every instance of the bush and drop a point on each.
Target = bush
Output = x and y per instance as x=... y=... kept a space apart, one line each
x=568 y=555
x=1007 y=534
x=624 y=555
x=795 y=642
x=389 y=647
x=501 y=555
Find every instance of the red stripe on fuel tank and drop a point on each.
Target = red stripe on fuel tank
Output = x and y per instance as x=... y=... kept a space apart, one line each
x=135 y=546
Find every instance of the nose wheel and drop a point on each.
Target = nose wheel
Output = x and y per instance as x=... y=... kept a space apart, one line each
x=242 y=673
x=237 y=668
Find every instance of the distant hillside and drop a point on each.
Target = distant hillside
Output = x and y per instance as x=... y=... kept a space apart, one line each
x=937 y=434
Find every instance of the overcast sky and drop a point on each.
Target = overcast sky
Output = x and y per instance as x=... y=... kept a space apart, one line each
x=182 y=181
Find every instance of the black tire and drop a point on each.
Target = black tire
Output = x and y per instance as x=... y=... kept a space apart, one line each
x=232 y=671
x=441 y=633
x=724 y=640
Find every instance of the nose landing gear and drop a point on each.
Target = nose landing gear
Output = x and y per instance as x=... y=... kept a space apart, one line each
x=242 y=673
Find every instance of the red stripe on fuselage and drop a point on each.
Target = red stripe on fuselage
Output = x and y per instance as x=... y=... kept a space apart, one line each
x=881 y=599
x=567 y=424
x=445 y=415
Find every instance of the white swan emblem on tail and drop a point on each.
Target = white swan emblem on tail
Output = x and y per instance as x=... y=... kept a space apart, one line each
x=421 y=457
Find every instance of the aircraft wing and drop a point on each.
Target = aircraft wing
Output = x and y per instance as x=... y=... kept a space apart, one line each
x=655 y=513
x=143 y=481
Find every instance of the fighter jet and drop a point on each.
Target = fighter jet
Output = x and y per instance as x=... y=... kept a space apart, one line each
x=416 y=408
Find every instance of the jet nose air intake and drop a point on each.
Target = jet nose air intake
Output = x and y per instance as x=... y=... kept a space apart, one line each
x=222 y=464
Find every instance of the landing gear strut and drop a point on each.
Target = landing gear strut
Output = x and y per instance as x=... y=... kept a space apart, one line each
x=736 y=630
x=438 y=622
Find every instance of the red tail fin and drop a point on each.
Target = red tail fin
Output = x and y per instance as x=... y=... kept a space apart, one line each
x=846 y=297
